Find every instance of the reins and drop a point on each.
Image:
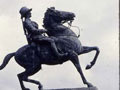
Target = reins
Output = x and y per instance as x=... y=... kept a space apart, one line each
x=70 y=25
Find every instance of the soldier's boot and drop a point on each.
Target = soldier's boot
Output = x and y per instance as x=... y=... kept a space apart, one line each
x=54 y=48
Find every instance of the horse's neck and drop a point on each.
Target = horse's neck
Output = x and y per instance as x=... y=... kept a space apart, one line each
x=60 y=30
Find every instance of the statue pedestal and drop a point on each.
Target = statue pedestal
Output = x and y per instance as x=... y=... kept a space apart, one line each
x=84 y=88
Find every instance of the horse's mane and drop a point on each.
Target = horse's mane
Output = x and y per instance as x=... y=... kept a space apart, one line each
x=46 y=18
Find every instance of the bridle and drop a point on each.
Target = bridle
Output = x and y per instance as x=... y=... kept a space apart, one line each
x=69 y=22
x=70 y=25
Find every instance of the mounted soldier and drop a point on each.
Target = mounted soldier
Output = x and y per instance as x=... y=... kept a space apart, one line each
x=31 y=59
x=34 y=34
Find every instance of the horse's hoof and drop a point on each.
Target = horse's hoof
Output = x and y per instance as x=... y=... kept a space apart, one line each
x=40 y=87
x=26 y=89
x=89 y=85
x=88 y=67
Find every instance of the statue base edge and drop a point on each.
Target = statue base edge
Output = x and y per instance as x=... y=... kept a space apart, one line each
x=83 y=88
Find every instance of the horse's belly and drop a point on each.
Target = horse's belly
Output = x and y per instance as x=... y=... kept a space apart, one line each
x=26 y=57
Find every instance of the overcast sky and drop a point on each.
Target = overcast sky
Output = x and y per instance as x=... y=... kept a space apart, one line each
x=98 y=20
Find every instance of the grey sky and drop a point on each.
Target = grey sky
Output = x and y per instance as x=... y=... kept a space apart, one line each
x=98 y=20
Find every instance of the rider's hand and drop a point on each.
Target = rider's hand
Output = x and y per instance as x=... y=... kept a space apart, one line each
x=42 y=31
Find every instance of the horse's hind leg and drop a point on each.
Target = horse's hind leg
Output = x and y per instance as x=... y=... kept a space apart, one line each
x=24 y=77
x=75 y=61
x=89 y=49
x=21 y=77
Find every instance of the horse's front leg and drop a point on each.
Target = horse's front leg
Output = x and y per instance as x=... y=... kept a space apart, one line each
x=75 y=60
x=89 y=49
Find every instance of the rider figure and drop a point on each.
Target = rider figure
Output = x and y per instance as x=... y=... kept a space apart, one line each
x=34 y=34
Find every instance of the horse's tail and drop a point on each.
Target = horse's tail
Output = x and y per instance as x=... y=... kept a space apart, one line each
x=6 y=60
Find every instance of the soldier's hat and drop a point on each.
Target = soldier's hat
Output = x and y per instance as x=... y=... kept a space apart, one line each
x=24 y=10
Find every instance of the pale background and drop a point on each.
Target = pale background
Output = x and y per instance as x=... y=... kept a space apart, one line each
x=98 y=20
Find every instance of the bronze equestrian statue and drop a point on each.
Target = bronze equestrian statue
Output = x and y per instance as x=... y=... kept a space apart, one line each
x=40 y=51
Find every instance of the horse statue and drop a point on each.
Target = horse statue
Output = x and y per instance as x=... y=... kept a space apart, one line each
x=32 y=57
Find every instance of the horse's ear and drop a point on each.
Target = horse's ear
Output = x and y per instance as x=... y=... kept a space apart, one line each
x=51 y=11
x=51 y=8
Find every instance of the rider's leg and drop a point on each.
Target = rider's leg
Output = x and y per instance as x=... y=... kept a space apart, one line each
x=55 y=50
x=53 y=45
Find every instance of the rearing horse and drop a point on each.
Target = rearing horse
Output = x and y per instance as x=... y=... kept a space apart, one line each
x=32 y=57
x=53 y=22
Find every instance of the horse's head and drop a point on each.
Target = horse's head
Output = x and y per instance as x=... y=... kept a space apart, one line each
x=53 y=15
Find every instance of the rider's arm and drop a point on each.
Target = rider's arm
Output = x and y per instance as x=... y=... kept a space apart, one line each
x=43 y=30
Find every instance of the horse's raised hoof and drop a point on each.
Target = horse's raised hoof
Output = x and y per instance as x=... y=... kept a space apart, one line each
x=88 y=67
